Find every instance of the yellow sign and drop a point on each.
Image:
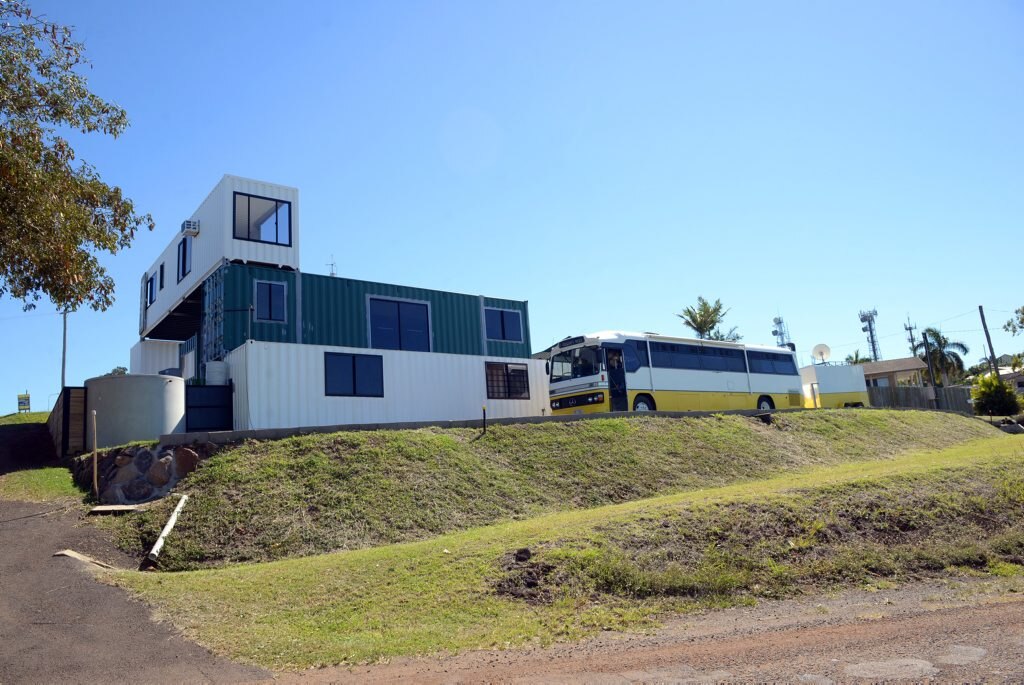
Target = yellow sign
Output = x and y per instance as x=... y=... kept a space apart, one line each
x=23 y=403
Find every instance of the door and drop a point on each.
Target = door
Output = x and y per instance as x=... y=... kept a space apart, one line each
x=616 y=379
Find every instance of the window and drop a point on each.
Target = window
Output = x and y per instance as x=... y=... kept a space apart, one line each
x=161 y=275
x=353 y=375
x=184 y=257
x=150 y=290
x=673 y=356
x=722 y=359
x=397 y=325
x=640 y=349
x=263 y=219
x=271 y=301
x=771 y=362
x=507 y=381
x=504 y=324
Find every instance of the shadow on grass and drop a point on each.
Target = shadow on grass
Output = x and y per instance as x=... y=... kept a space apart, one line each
x=26 y=446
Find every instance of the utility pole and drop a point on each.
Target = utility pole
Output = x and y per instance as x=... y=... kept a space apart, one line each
x=64 y=355
x=931 y=370
x=992 y=352
x=910 y=328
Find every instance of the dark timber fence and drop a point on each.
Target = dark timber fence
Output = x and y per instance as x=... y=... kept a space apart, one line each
x=951 y=399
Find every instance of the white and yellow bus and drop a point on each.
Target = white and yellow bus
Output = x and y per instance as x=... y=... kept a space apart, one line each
x=617 y=371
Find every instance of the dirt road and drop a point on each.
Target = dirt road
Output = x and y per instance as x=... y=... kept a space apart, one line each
x=943 y=632
x=57 y=624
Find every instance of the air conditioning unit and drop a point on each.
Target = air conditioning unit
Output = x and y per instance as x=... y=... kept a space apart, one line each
x=190 y=227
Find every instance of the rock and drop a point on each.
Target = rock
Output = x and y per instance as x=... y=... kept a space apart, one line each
x=137 y=490
x=160 y=472
x=123 y=459
x=112 y=495
x=126 y=474
x=185 y=461
x=143 y=460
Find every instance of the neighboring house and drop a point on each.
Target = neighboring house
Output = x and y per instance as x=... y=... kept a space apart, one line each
x=227 y=298
x=893 y=372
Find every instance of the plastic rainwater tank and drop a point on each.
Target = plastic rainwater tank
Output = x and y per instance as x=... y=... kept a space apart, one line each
x=216 y=373
x=133 y=407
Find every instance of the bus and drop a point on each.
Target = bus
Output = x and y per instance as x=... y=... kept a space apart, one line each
x=619 y=371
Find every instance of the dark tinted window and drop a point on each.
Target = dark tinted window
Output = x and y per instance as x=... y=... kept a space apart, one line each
x=184 y=258
x=640 y=348
x=772 y=362
x=630 y=360
x=503 y=324
x=161 y=276
x=270 y=301
x=353 y=375
x=150 y=291
x=414 y=327
x=399 y=325
x=722 y=359
x=673 y=356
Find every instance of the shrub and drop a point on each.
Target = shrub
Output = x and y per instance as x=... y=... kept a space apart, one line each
x=993 y=397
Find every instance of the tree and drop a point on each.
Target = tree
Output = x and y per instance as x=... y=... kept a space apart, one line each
x=56 y=214
x=855 y=358
x=992 y=397
x=946 y=353
x=1016 y=324
x=705 y=320
x=117 y=371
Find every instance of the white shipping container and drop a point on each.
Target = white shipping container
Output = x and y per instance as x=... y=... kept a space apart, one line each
x=153 y=356
x=282 y=385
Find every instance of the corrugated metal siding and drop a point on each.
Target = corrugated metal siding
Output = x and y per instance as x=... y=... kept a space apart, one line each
x=284 y=387
x=212 y=331
x=334 y=313
x=251 y=251
x=510 y=349
x=239 y=295
x=153 y=356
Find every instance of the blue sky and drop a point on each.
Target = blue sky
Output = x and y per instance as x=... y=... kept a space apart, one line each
x=609 y=162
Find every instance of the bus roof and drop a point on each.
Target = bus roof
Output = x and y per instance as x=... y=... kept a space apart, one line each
x=599 y=337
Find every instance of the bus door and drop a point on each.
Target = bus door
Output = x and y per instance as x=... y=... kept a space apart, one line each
x=616 y=378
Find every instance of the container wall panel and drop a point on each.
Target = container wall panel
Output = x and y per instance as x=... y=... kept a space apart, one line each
x=505 y=348
x=153 y=356
x=237 y=372
x=284 y=384
x=239 y=294
x=251 y=251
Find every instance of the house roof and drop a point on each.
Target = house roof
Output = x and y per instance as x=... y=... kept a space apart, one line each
x=893 y=365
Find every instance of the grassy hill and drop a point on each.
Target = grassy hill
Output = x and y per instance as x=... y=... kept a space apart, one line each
x=958 y=511
x=313 y=494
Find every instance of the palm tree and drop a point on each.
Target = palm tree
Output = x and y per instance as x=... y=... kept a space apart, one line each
x=855 y=358
x=946 y=353
x=706 y=318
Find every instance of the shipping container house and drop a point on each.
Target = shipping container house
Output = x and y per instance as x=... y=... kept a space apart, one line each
x=305 y=349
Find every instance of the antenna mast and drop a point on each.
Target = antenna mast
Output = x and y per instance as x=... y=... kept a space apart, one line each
x=334 y=266
x=868 y=318
x=910 y=328
x=781 y=331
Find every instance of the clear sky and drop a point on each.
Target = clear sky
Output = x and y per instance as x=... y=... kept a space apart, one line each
x=607 y=161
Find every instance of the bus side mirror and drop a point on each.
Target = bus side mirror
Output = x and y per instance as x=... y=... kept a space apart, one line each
x=547 y=368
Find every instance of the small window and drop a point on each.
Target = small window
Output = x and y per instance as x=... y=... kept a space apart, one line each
x=263 y=219
x=271 y=301
x=161 y=276
x=631 y=362
x=397 y=325
x=640 y=349
x=353 y=375
x=150 y=290
x=184 y=257
x=507 y=381
x=504 y=324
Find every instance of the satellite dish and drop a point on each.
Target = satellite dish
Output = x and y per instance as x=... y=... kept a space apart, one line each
x=821 y=353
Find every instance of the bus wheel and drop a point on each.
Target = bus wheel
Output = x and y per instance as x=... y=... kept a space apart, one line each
x=765 y=403
x=643 y=403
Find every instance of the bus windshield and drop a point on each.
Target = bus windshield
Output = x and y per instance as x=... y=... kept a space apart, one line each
x=578 y=363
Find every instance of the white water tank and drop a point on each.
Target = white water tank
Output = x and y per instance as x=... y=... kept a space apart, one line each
x=133 y=407
x=216 y=373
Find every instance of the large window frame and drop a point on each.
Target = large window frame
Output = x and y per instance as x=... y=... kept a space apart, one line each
x=503 y=324
x=378 y=344
x=360 y=364
x=270 y=306
x=502 y=381
x=248 y=226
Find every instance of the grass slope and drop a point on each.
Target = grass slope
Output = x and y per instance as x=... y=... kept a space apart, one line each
x=24 y=417
x=321 y=493
x=38 y=485
x=615 y=566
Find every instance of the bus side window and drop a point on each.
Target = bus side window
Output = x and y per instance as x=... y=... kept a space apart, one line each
x=630 y=360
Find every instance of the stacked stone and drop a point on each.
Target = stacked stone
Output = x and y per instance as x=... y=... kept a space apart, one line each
x=130 y=475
